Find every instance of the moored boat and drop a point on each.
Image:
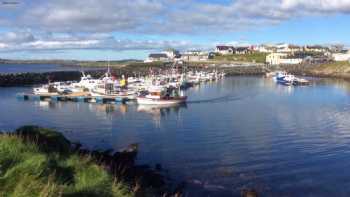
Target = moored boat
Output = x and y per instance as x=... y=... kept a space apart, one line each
x=289 y=79
x=160 y=95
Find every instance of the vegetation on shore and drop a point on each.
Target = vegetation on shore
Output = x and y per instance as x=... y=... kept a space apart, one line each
x=36 y=161
x=250 y=57
x=342 y=68
x=330 y=69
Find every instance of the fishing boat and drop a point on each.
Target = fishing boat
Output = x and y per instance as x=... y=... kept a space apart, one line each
x=289 y=79
x=284 y=78
x=47 y=89
x=86 y=82
x=110 y=87
x=160 y=95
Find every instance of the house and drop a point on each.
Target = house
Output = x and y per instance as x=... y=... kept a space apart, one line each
x=288 y=48
x=283 y=58
x=275 y=58
x=316 y=59
x=291 y=60
x=224 y=50
x=315 y=48
x=157 y=57
x=264 y=49
x=295 y=48
x=196 y=52
x=282 y=48
x=343 y=56
x=336 y=48
x=172 y=53
x=242 y=50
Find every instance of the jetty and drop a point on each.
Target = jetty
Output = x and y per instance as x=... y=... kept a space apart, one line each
x=77 y=97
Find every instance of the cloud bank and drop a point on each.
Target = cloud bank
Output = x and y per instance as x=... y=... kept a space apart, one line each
x=159 y=17
x=18 y=41
x=98 y=19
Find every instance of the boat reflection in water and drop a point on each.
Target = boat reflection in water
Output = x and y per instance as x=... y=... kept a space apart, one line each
x=159 y=111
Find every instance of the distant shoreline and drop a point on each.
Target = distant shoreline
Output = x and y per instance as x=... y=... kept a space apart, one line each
x=330 y=70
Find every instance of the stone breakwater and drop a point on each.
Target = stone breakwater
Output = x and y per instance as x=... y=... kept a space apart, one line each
x=245 y=70
x=22 y=79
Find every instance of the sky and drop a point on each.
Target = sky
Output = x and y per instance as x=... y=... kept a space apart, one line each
x=131 y=29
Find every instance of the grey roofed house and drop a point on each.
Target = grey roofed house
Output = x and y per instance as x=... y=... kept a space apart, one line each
x=157 y=55
x=224 y=47
x=242 y=48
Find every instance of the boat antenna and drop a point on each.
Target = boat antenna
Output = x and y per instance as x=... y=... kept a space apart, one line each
x=108 y=67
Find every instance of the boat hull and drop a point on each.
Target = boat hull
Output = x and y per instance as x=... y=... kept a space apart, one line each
x=117 y=96
x=152 y=101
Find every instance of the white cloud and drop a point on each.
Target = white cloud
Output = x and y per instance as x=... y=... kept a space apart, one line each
x=316 y=6
x=163 y=16
x=87 y=24
x=19 y=41
x=16 y=37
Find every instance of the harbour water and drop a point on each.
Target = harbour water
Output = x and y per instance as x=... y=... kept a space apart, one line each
x=241 y=132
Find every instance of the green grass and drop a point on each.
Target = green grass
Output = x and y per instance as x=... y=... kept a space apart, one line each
x=253 y=57
x=29 y=168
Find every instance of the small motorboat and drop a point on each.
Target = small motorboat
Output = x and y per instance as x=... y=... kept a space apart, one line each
x=160 y=95
x=284 y=78
x=289 y=79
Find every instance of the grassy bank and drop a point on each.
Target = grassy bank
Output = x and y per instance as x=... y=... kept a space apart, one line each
x=40 y=162
x=252 y=57
x=331 y=69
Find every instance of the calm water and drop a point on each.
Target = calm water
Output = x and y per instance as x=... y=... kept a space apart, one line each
x=242 y=132
x=38 y=68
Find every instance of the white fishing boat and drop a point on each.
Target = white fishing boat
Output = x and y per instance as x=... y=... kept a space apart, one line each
x=160 y=95
x=47 y=89
x=118 y=94
x=86 y=82
x=110 y=87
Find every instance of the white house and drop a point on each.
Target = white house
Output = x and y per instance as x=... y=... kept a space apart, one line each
x=275 y=58
x=341 y=56
x=172 y=53
x=264 y=48
x=282 y=58
x=291 y=61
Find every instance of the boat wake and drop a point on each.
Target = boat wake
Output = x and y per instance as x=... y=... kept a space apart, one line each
x=225 y=98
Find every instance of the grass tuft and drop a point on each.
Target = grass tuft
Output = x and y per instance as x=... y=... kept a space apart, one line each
x=38 y=162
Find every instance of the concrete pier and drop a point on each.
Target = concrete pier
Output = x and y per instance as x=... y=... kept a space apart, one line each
x=73 y=98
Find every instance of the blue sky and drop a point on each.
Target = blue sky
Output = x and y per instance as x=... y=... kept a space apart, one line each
x=118 y=29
